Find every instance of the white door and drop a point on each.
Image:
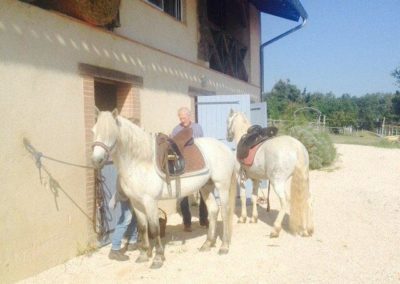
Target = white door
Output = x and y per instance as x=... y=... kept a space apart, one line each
x=259 y=114
x=213 y=111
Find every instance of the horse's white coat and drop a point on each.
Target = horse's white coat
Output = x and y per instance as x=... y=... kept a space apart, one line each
x=133 y=156
x=277 y=160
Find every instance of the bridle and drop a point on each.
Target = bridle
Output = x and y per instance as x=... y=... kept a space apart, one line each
x=106 y=148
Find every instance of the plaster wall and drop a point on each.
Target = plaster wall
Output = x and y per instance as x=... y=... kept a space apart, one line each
x=46 y=216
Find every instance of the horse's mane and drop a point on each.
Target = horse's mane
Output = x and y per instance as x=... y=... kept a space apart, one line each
x=241 y=116
x=239 y=119
x=135 y=140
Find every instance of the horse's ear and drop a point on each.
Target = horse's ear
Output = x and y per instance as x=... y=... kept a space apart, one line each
x=231 y=112
x=96 y=112
x=115 y=113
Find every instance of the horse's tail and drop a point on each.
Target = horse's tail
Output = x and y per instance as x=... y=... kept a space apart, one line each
x=232 y=200
x=301 y=215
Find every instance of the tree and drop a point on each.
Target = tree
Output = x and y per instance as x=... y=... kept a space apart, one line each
x=396 y=105
x=282 y=99
x=396 y=75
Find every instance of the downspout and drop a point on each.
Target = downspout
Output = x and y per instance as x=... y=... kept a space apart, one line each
x=304 y=21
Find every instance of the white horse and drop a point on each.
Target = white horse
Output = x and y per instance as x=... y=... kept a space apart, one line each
x=277 y=160
x=133 y=153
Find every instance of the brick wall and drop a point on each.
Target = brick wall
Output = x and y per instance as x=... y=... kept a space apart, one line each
x=128 y=104
x=88 y=101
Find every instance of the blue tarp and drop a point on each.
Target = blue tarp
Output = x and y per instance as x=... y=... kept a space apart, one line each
x=288 y=9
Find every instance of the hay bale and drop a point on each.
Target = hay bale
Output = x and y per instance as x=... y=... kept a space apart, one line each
x=393 y=138
x=95 y=12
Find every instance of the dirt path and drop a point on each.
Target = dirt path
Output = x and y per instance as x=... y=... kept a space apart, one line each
x=356 y=240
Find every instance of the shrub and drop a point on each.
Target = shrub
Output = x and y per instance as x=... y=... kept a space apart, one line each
x=319 y=145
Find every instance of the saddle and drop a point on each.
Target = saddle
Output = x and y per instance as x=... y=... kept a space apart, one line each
x=177 y=156
x=255 y=135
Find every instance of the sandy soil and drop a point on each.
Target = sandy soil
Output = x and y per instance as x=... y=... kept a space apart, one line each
x=356 y=240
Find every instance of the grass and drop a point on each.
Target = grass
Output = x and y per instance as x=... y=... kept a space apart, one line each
x=363 y=138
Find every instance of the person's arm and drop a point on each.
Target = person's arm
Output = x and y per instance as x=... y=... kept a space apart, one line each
x=199 y=131
x=176 y=130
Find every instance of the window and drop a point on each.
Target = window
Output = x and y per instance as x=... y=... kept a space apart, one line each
x=171 y=7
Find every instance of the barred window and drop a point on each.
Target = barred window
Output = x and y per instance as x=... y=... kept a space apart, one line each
x=171 y=7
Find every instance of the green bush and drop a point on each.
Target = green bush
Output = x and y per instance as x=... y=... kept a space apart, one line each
x=319 y=145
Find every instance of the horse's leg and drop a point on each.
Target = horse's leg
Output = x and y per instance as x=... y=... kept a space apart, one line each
x=213 y=209
x=254 y=196
x=227 y=192
x=154 y=229
x=224 y=196
x=279 y=188
x=243 y=215
x=144 y=246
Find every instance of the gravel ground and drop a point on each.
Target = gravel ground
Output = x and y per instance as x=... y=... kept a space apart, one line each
x=356 y=240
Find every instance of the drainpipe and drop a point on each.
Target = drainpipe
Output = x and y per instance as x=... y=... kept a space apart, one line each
x=304 y=21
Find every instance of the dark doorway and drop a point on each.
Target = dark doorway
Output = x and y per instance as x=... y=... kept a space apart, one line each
x=105 y=97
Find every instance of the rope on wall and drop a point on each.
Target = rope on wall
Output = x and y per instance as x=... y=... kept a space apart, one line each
x=98 y=219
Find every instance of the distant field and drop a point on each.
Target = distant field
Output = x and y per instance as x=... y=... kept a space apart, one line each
x=364 y=138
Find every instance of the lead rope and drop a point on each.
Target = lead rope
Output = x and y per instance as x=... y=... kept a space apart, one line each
x=99 y=215
x=100 y=226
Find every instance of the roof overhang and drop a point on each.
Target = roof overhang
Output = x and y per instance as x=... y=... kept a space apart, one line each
x=288 y=9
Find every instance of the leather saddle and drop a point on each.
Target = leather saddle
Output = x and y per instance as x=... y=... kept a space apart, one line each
x=254 y=136
x=178 y=155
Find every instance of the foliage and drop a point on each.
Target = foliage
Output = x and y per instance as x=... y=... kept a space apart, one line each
x=396 y=75
x=319 y=145
x=366 y=112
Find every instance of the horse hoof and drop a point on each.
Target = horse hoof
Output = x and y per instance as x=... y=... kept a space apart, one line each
x=253 y=220
x=275 y=233
x=205 y=248
x=242 y=220
x=142 y=258
x=223 y=251
x=156 y=264
x=306 y=233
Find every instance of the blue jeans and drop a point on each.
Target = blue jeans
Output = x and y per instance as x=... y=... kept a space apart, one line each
x=126 y=225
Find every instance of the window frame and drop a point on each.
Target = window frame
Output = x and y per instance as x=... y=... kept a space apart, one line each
x=178 y=8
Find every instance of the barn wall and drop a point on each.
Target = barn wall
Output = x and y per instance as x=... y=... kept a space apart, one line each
x=45 y=217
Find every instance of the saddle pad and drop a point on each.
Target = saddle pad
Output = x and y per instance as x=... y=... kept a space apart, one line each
x=194 y=160
x=248 y=161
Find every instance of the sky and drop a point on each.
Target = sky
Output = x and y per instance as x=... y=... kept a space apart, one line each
x=346 y=47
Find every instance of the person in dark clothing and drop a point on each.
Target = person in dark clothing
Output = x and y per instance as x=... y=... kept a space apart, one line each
x=185 y=122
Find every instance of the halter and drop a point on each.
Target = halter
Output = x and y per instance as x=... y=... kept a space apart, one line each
x=105 y=148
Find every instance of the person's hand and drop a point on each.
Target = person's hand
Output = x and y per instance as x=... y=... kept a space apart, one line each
x=113 y=202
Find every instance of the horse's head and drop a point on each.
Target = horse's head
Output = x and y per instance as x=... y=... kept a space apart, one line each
x=237 y=125
x=105 y=134
x=229 y=129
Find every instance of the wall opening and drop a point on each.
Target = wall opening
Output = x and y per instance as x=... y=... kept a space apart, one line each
x=107 y=89
x=105 y=95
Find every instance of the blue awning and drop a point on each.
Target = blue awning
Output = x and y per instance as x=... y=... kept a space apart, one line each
x=288 y=9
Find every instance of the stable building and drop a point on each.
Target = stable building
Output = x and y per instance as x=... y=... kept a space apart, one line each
x=146 y=58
